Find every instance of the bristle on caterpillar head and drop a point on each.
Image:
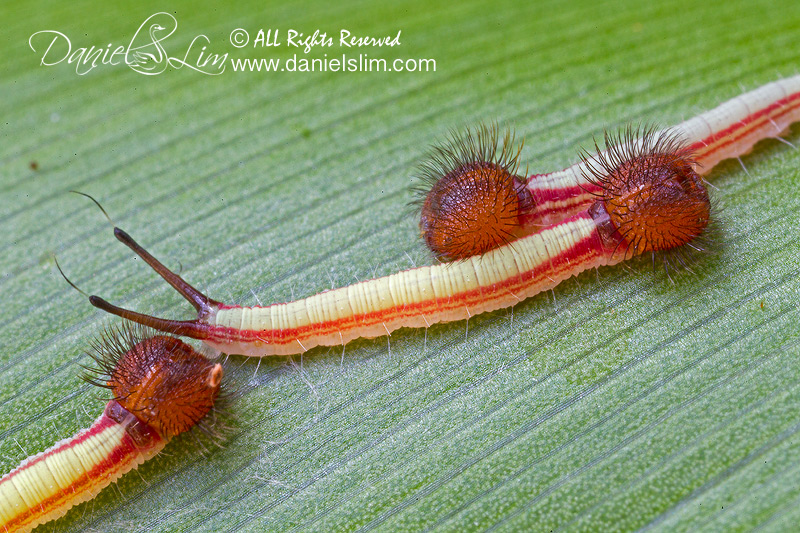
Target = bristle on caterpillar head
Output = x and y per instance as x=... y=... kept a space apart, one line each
x=473 y=199
x=652 y=199
x=161 y=380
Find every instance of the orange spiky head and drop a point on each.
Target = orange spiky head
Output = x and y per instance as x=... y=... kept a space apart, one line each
x=474 y=198
x=653 y=196
x=161 y=380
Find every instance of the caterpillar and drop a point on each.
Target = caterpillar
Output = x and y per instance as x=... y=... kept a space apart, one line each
x=639 y=195
x=160 y=388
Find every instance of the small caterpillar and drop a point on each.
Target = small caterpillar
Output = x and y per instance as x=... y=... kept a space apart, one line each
x=600 y=211
x=160 y=388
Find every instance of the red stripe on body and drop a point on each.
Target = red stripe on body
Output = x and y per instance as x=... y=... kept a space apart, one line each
x=99 y=426
x=560 y=266
x=555 y=203
x=742 y=128
x=119 y=459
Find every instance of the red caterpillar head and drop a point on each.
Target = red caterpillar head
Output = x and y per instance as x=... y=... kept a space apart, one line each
x=161 y=380
x=474 y=198
x=651 y=195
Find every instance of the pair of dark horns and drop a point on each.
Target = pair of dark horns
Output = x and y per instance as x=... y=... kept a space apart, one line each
x=188 y=328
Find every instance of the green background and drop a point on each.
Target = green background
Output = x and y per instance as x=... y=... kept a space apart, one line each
x=619 y=400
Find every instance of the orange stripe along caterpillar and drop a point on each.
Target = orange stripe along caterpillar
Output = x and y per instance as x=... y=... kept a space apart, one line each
x=637 y=196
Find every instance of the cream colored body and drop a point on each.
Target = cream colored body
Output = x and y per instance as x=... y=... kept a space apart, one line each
x=441 y=289
x=47 y=485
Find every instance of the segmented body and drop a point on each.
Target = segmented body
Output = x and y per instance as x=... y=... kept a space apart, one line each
x=414 y=298
x=573 y=240
x=45 y=486
x=161 y=388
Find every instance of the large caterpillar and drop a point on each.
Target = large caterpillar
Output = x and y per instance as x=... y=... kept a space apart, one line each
x=637 y=196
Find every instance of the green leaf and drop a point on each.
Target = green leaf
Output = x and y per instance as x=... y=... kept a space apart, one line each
x=619 y=400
